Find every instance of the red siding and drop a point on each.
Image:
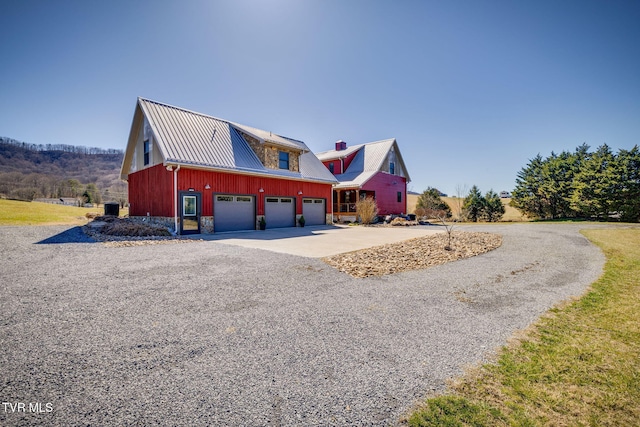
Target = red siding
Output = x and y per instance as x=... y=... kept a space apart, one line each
x=151 y=190
x=387 y=192
x=336 y=166
x=337 y=163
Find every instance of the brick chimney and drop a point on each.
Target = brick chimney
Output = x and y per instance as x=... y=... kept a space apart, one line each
x=341 y=145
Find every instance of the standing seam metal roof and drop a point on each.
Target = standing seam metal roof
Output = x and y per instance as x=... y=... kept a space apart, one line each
x=366 y=163
x=188 y=137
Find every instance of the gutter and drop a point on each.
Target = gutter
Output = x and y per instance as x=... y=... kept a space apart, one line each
x=175 y=196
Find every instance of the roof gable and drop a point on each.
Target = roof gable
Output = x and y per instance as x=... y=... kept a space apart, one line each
x=369 y=160
x=193 y=139
x=338 y=154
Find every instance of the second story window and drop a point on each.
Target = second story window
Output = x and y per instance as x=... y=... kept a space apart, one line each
x=283 y=160
x=147 y=151
x=331 y=167
x=392 y=168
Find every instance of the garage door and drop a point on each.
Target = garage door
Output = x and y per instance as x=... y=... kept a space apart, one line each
x=313 y=211
x=233 y=213
x=280 y=212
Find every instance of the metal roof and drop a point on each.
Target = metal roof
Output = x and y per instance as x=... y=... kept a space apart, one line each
x=272 y=138
x=366 y=163
x=190 y=138
x=337 y=154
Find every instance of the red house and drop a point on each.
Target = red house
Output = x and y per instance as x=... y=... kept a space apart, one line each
x=373 y=170
x=199 y=174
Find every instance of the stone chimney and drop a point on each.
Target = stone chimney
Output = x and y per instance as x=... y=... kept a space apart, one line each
x=341 y=145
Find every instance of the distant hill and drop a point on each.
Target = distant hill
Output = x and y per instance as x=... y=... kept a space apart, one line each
x=29 y=171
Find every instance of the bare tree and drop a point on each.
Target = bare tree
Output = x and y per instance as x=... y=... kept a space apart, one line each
x=441 y=215
x=462 y=190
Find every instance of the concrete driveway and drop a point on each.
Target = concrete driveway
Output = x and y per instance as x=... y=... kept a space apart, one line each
x=320 y=241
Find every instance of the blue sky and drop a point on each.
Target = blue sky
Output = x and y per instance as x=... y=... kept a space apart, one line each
x=471 y=89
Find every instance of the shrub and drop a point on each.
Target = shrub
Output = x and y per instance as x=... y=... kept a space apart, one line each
x=367 y=210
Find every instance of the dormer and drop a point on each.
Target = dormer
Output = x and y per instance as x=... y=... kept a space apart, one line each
x=274 y=151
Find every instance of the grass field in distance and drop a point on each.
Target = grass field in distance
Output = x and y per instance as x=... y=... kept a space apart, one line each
x=14 y=212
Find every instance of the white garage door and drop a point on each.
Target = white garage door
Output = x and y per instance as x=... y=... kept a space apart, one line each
x=280 y=212
x=233 y=213
x=313 y=211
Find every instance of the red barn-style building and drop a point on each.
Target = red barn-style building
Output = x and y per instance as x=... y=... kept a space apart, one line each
x=375 y=169
x=200 y=174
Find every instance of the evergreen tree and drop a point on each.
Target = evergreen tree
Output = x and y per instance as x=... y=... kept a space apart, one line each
x=493 y=209
x=429 y=202
x=599 y=184
x=627 y=199
x=473 y=205
x=557 y=175
x=594 y=185
x=526 y=197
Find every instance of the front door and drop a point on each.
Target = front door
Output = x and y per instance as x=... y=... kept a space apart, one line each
x=189 y=213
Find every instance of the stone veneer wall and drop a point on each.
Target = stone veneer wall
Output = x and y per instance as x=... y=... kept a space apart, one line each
x=272 y=158
x=268 y=154
x=162 y=221
x=255 y=145
x=206 y=222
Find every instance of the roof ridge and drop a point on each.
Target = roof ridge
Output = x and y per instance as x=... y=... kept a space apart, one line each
x=229 y=122
x=186 y=110
x=358 y=145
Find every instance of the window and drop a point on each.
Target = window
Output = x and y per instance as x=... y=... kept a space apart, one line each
x=392 y=168
x=272 y=200
x=224 y=198
x=243 y=199
x=189 y=206
x=147 y=151
x=331 y=167
x=399 y=196
x=283 y=160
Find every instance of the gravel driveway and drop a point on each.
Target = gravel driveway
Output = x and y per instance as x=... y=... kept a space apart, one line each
x=211 y=334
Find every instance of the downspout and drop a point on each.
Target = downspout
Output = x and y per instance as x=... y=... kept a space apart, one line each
x=175 y=198
x=332 y=190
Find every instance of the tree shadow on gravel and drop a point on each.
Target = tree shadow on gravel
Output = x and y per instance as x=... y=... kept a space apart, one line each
x=72 y=235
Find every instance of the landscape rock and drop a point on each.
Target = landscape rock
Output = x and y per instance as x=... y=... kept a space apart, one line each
x=414 y=254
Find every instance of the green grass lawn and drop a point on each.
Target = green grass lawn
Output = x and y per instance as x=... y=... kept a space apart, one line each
x=13 y=212
x=579 y=365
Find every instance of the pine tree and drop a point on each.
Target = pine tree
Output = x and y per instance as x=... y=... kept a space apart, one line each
x=493 y=209
x=594 y=185
x=430 y=204
x=473 y=205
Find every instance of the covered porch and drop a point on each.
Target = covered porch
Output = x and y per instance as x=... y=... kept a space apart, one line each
x=344 y=203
